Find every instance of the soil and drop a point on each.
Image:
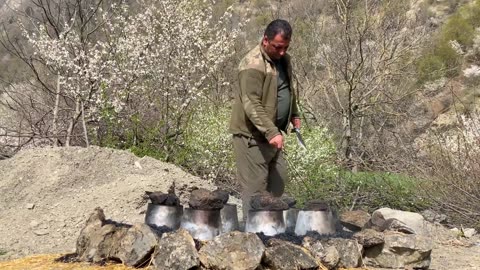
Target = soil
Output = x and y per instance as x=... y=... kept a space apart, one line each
x=47 y=195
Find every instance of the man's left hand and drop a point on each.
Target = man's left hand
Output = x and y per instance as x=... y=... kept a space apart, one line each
x=296 y=122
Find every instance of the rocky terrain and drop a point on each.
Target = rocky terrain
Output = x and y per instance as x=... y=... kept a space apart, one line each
x=47 y=194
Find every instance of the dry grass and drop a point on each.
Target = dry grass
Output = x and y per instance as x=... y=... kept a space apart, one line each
x=47 y=262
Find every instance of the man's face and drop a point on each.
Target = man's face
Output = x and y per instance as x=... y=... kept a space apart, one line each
x=277 y=47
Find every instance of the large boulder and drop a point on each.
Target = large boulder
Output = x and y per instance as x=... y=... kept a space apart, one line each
x=369 y=238
x=136 y=246
x=328 y=256
x=176 y=251
x=102 y=240
x=283 y=255
x=234 y=250
x=400 y=251
x=354 y=220
x=350 y=251
x=412 y=221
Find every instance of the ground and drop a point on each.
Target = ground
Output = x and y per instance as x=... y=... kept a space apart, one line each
x=47 y=195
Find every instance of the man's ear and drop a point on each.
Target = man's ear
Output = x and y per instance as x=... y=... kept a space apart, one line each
x=265 y=40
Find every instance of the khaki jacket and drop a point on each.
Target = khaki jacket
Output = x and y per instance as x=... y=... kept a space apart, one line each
x=255 y=107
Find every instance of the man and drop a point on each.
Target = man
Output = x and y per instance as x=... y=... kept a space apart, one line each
x=263 y=108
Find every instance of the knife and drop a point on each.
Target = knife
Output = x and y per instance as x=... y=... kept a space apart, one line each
x=299 y=138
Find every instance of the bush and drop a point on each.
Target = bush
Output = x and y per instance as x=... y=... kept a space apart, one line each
x=207 y=146
x=314 y=175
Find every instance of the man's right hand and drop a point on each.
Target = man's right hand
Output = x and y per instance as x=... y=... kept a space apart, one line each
x=277 y=142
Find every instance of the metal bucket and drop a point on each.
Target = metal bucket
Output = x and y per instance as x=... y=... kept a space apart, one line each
x=202 y=224
x=322 y=222
x=229 y=218
x=163 y=216
x=267 y=222
x=290 y=217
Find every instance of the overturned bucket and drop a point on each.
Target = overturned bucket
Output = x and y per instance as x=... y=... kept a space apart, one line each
x=322 y=222
x=229 y=218
x=159 y=216
x=267 y=222
x=201 y=224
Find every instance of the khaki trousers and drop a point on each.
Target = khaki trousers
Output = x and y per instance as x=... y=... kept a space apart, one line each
x=260 y=167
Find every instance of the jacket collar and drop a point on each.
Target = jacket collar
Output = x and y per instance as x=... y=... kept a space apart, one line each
x=265 y=55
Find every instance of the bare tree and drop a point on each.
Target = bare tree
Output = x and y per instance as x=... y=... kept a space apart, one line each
x=356 y=73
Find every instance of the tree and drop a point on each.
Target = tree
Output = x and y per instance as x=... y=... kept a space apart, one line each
x=114 y=64
x=356 y=74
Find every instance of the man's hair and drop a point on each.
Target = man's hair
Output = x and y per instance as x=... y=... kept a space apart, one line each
x=276 y=27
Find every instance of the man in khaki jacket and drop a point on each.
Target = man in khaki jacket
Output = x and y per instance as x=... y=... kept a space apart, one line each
x=264 y=106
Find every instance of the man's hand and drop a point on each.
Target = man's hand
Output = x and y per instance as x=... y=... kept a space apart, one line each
x=296 y=122
x=277 y=142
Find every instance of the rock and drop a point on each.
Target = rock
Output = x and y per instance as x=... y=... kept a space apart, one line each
x=316 y=205
x=400 y=251
x=290 y=201
x=354 y=220
x=202 y=199
x=222 y=194
x=413 y=221
x=283 y=255
x=160 y=198
x=41 y=232
x=234 y=250
x=101 y=240
x=176 y=251
x=328 y=256
x=350 y=252
x=469 y=232
x=30 y=206
x=432 y=216
x=267 y=202
x=136 y=246
x=369 y=238
x=392 y=224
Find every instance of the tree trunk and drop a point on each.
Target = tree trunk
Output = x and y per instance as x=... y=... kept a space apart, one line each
x=55 y=114
x=73 y=120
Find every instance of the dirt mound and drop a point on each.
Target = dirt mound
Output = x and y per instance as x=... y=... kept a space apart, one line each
x=47 y=194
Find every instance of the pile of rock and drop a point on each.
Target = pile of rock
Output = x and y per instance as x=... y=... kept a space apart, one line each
x=388 y=238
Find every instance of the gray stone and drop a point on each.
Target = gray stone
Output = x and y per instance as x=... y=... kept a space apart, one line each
x=400 y=251
x=328 y=256
x=396 y=225
x=414 y=221
x=234 y=250
x=282 y=255
x=176 y=251
x=350 y=252
x=469 y=232
x=369 y=238
x=434 y=217
x=354 y=220
x=100 y=240
x=136 y=246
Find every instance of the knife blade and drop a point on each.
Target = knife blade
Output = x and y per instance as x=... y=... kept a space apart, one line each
x=299 y=138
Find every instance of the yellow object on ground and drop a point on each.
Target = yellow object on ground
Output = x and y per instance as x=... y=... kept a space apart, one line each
x=47 y=262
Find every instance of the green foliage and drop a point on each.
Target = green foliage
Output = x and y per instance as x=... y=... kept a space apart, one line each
x=3 y=252
x=207 y=146
x=443 y=60
x=430 y=67
x=314 y=175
